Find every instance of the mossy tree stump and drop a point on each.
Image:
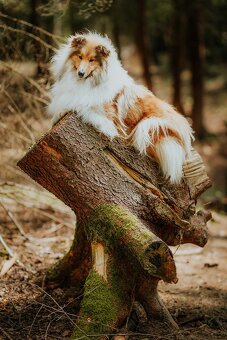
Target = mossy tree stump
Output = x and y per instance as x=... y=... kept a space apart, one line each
x=127 y=216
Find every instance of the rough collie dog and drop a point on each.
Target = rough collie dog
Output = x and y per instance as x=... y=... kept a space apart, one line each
x=90 y=80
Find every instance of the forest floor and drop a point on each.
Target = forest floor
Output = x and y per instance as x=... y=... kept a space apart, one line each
x=36 y=229
x=27 y=311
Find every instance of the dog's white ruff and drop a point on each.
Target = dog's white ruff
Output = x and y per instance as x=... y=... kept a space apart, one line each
x=88 y=96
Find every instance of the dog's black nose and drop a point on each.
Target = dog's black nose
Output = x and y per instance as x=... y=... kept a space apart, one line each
x=80 y=74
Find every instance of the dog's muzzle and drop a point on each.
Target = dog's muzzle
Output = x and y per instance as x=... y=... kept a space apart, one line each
x=81 y=74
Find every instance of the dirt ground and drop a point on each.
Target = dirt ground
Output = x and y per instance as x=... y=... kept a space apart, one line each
x=27 y=311
x=37 y=229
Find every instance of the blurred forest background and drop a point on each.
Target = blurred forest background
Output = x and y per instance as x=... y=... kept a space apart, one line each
x=177 y=48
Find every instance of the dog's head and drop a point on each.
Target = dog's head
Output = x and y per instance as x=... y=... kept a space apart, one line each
x=88 y=56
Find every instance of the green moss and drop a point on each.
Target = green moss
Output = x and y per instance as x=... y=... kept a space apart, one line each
x=100 y=307
x=114 y=225
x=105 y=221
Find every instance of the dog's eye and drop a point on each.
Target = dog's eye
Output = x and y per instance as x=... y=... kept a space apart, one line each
x=91 y=60
x=80 y=57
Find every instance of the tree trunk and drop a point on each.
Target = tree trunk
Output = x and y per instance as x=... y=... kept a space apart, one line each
x=122 y=251
x=196 y=56
x=33 y=13
x=127 y=214
x=141 y=41
x=116 y=29
x=177 y=53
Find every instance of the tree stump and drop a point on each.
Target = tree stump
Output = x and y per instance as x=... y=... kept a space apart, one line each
x=127 y=215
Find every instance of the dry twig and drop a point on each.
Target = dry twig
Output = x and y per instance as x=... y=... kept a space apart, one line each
x=7 y=248
x=7 y=265
x=55 y=37
x=19 y=115
x=28 y=79
x=33 y=36
x=17 y=134
x=14 y=220
x=6 y=334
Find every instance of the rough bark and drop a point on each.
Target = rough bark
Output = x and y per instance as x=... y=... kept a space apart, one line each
x=147 y=294
x=126 y=261
x=85 y=169
x=118 y=228
x=125 y=255
x=127 y=214
x=74 y=267
x=107 y=296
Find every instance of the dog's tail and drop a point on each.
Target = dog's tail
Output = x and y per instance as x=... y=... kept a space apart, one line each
x=171 y=157
x=167 y=139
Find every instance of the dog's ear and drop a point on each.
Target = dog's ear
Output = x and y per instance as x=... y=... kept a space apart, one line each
x=102 y=51
x=78 y=42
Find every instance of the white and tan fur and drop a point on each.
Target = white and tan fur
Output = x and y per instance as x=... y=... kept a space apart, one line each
x=90 y=80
